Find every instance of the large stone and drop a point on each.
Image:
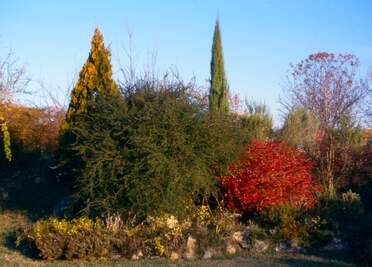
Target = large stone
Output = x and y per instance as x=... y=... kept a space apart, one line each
x=260 y=245
x=137 y=256
x=231 y=249
x=291 y=246
x=295 y=245
x=190 y=248
x=281 y=247
x=209 y=253
x=241 y=239
x=174 y=256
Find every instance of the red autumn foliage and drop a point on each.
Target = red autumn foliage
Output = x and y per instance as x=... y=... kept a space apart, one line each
x=270 y=174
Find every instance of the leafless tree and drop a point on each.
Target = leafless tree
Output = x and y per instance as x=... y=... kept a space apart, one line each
x=13 y=79
x=327 y=85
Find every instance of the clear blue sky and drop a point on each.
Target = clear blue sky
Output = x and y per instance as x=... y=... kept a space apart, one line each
x=260 y=38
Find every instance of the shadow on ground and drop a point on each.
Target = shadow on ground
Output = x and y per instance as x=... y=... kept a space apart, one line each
x=31 y=191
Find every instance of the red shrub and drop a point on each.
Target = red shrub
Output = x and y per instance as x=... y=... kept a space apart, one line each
x=269 y=174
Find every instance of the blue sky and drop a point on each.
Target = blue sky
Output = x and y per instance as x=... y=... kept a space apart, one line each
x=260 y=38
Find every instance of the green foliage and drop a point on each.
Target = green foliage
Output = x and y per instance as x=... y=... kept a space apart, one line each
x=218 y=95
x=342 y=212
x=300 y=128
x=213 y=228
x=288 y=223
x=95 y=79
x=256 y=122
x=346 y=218
x=153 y=151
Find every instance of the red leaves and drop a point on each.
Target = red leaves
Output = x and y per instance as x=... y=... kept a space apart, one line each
x=269 y=174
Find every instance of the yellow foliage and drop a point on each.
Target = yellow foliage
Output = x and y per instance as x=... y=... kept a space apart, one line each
x=95 y=78
x=6 y=138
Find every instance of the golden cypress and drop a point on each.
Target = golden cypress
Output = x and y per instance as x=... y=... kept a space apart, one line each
x=95 y=78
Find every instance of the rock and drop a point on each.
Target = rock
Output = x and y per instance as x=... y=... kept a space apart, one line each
x=190 y=248
x=115 y=256
x=209 y=253
x=336 y=245
x=241 y=239
x=174 y=256
x=137 y=256
x=295 y=245
x=230 y=249
x=292 y=246
x=37 y=180
x=260 y=245
x=281 y=247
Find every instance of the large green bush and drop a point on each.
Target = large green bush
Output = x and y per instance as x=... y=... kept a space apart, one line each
x=154 y=150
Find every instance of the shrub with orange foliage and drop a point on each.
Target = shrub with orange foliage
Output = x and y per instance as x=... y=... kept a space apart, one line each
x=270 y=174
x=34 y=129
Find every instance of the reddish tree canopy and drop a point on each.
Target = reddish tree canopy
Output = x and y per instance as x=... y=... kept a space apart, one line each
x=269 y=174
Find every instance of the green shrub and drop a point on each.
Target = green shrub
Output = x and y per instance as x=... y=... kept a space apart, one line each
x=213 y=228
x=153 y=151
x=342 y=212
x=288 y=223
x=256 y=122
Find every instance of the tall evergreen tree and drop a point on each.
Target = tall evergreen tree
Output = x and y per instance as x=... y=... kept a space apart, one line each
x=218 y=94
x=95 y=78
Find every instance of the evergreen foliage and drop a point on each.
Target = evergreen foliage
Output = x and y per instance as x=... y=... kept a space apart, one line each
x=300 y=128
x=256 y=122
x=95 y=79
x=218 y=95
x=153 y=151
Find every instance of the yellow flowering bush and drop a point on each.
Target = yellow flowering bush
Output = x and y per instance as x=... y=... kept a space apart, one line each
x=82 y=238
x=165 y=234
x=203 y=214
x=6 y=138
x=56 y=238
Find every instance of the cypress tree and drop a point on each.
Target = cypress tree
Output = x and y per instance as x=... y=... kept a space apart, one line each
x=95 y=78
x=218 y=94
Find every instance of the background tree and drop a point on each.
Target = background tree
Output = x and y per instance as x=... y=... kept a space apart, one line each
x=256 y=122
x=327 y=85
x=300 y=128
x=218 y=95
